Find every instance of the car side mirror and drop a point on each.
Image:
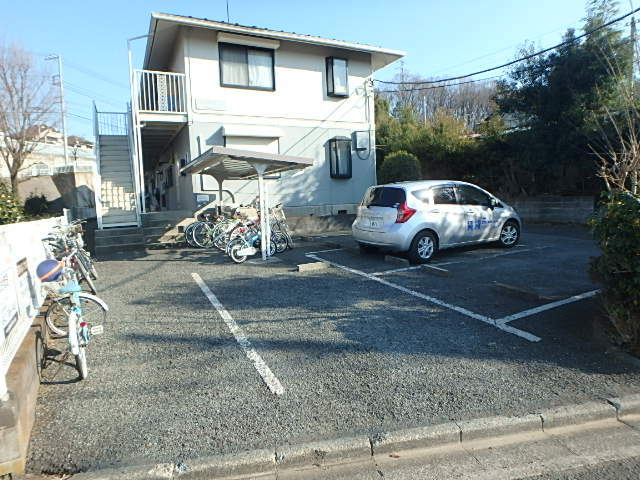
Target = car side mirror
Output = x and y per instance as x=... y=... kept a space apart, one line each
x=493 y=203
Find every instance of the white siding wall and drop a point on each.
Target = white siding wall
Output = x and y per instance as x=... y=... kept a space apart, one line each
x=299 y=108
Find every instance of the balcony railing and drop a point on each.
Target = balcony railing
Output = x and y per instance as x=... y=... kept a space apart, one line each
x=162 y=92
x=111 y=123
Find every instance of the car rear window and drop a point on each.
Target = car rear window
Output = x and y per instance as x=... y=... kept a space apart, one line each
x=384 y=197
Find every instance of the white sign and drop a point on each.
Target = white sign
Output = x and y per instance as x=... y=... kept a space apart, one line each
x=8 y=306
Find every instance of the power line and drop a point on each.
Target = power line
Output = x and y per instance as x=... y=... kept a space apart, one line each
x=473 y=60
x=80 y=116
x=417 y=89
x=93 y=95
x=518 y=60
x=97 y=75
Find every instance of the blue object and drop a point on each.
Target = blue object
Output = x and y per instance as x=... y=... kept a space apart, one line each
x=71 y=287
x=49 y=270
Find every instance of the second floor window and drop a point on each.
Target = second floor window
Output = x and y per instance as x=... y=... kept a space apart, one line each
x=337 y=85
x=246 y=67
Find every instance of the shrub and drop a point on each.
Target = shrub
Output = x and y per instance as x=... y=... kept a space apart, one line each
x=617 y=231
x=398 y=167
x=10 y=209
x=36 y=205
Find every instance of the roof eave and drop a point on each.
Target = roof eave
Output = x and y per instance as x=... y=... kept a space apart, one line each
x=385 y=55
x=151 y=34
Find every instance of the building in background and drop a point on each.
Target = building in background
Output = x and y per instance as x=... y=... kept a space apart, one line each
x=66 y=184
x=205 y=83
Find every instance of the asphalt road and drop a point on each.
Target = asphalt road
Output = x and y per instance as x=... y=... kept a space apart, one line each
x=168 y=380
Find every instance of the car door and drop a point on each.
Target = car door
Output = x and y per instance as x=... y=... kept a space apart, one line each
x=480 y=219
x=446 y=215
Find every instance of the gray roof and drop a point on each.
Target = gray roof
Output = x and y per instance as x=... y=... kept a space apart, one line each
x=229 y=163
x=380 y=56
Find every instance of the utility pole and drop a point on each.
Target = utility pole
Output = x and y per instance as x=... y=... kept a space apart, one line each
x=632 y=86
x=62 y=107
x=424 y=108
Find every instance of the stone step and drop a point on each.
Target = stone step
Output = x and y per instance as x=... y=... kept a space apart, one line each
x=101 y=250
x=113 y=140
x=136 y=238
x=158 y=230
x=117 y=231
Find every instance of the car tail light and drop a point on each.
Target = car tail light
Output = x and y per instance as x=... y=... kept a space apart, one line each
x=404 y=213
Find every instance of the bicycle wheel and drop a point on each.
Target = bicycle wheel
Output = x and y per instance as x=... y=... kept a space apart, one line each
x=84 y=275
x=87 y=263
x=233 y=248
x=187 y=234
x=94 y=311
x=203 y=235
x=280 y=242
x=289 y=239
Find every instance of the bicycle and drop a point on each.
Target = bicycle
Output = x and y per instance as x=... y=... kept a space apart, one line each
x=67 y=239
x=248 y=243
x=79 y=330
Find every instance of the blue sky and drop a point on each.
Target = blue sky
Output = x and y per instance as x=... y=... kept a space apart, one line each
x=441 y=38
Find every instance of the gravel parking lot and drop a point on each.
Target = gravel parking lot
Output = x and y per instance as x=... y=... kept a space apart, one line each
x=362 y=346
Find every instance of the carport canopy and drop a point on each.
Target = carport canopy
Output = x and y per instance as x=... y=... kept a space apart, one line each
x=230 y=164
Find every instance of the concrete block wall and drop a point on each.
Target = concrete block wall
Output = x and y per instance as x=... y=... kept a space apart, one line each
x=554 y=209
x=17 y=415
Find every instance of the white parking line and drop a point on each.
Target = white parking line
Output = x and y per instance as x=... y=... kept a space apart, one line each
x=454 y=262
x=548 y=306
x=488 y=257
x=329 y=250
x=263 y=369
x=455 y=308
x=396 y=270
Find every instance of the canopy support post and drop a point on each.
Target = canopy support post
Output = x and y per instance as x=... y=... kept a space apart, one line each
x=220 y=180
x=264 y=239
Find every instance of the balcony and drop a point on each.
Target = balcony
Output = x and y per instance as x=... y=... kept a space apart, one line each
x=162 y=93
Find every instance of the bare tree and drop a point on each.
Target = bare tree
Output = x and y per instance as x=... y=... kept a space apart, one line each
x=27 y=100
x=469 y=102
x=618 y=147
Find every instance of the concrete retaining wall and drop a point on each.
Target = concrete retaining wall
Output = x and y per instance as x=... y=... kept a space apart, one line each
x=21 y=250
x=17 y=415
x=554 y=209
x=320 y=224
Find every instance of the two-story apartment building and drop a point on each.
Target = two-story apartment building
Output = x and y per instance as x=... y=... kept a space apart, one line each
x=206 y=83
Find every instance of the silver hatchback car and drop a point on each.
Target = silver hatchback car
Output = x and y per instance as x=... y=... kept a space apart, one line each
x=421 y=217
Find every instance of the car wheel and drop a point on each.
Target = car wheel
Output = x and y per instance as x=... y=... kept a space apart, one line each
x=423 y=247
x=367 y=249
x=510 y=234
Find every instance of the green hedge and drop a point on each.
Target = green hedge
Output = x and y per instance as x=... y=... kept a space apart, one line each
x=399 y=166
x=617 y=230
x=10 y=209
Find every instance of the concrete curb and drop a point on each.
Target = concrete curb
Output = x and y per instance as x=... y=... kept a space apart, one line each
x=577 y=414
x=420 y=437
x=312 y=266
x=626 y=407
x=492 y=427
x=361 y=448
x=323 y=452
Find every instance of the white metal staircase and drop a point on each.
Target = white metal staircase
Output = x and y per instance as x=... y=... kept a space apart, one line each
x=117 y=206
x=118 y=193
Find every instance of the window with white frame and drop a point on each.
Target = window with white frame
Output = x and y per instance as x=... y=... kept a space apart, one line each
x=337 y=74
x=340 y=157
x=246 y=67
